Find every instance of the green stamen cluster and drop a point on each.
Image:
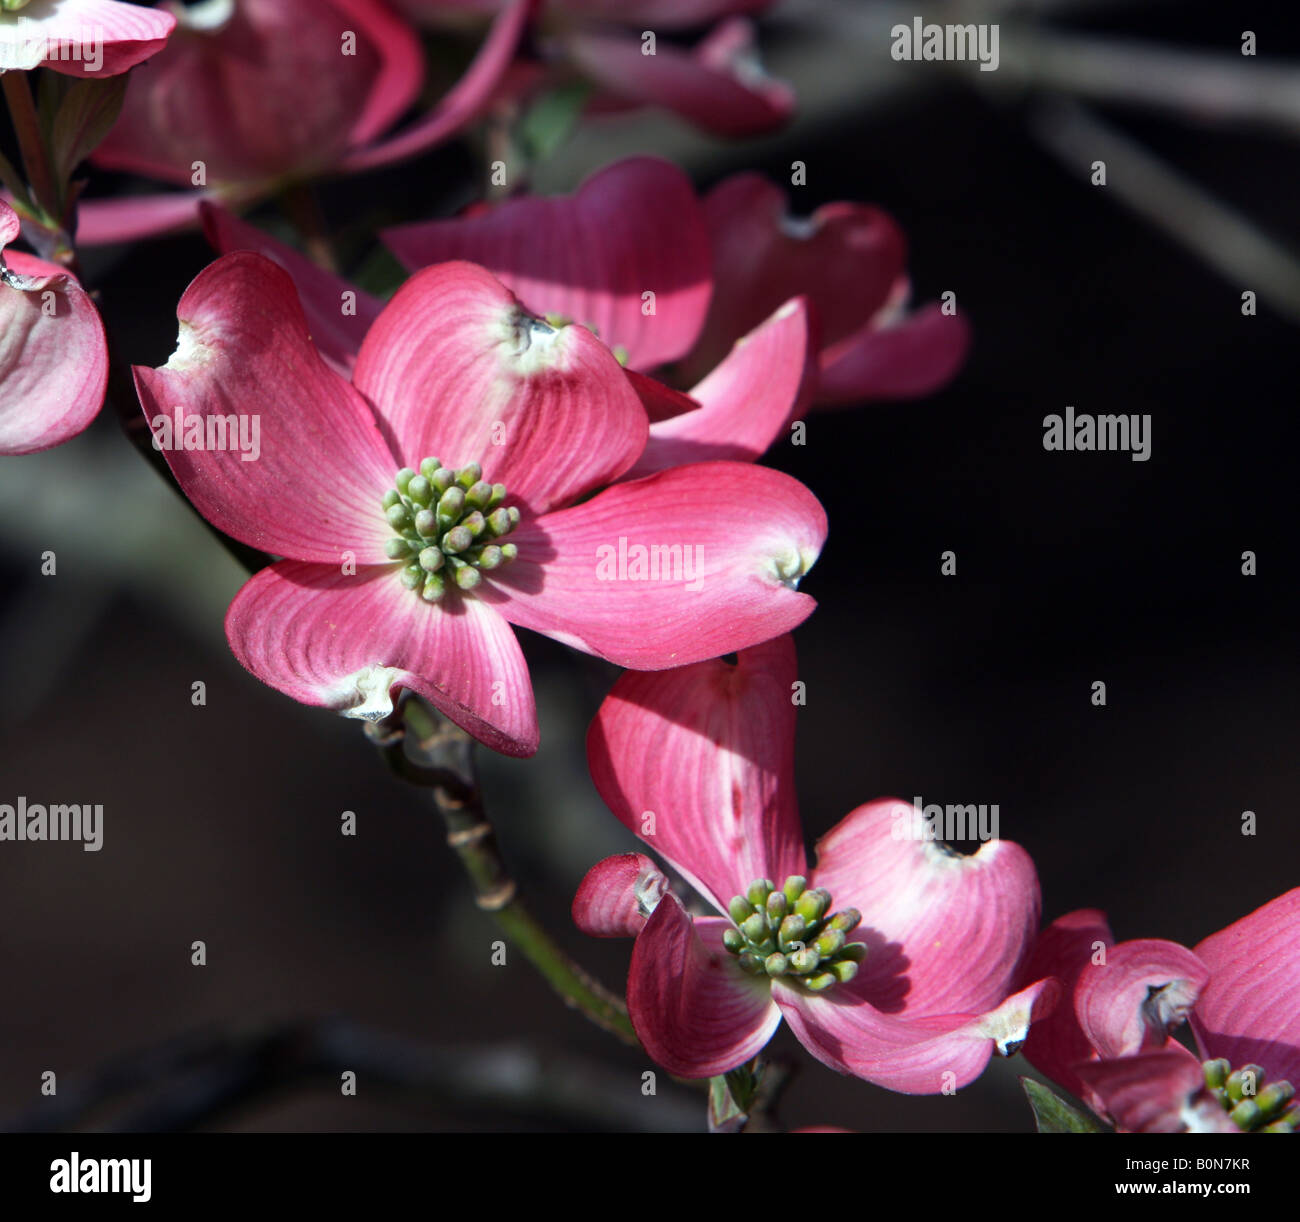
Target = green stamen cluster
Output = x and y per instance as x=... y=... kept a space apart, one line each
x=12 y=6
x=1253 y=1107
x=792 y=933
x=447 y=523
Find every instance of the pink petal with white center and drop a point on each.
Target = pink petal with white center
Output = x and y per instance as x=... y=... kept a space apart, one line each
x=459 y=371
x=338 y=313
x=846 y=258
x=266 y=93
x=1057 y=1045
x=1141 y=994
x=462 y=104
x=689 y=564
x=947 y=932
x=1250 y=1009
x=308 y=473
x=633 y=228
x=695 y=1012
x=747 y=403
x=1158 y=1092
x=349 y=642
x=618 y=895
x=915 y=1055
x=914 y=357
x=724 y=813
x=88 y=38
x=717 y=85
x=53 y=355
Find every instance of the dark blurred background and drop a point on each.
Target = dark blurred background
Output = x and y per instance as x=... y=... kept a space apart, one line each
x=222 y=822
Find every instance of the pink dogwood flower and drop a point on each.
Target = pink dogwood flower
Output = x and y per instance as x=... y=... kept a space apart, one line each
x=715 y=269
x=1110 y=1041
x=894 y=959
x=444 y=494
x=735 y=412
x=87 y=38
x=53 y=355
x=718 y=84
x=251 y=94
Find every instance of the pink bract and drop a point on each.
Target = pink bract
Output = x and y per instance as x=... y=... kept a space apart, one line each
x=1111 y=1041
x=250 y=94
x=736 y=412
x=717 y=84
x=87 y=38
x=53 y=355
x=717 y=268
x=698 y=763
x=453 y=367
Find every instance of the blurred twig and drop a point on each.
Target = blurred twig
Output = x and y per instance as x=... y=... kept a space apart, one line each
x=443 y=763
x=194 y=1080
x=1221 y=237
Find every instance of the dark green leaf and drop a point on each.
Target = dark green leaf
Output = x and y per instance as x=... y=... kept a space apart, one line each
x=1053 y=1115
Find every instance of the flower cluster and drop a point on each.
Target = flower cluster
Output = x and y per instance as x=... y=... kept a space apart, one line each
x=555 y=422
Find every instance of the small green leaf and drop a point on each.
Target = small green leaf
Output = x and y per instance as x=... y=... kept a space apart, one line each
x=1053 y=1115
x=725 y=1115
x=550 y=120
x=88 y=110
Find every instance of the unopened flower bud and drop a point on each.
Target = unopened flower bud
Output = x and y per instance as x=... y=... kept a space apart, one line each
x=740 y=908
x=776 y=964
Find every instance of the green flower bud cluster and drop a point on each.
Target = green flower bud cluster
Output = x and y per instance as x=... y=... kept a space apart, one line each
x=1253 y=1107
x=447 y=523
x=791 y=932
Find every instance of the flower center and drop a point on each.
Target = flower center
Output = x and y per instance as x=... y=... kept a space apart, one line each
x=12 y=6
x=447 y=524
x=1253 y=1107
x=791 y=932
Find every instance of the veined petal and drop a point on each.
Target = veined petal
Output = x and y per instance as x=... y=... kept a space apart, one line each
x=279 y=88
x=399 y=74
x=716 y=85
x=947 y=931
x=913 y=1055
x=1157 y=1092
x=458 y=370
x=310 y=480
x=845 y=257
x=88 y=38
x=689 y=564
x=101 y=222
x=462 y=103
x=348 y=642
x=1135 y=1000
x=1057 y=1045
x=631 y=229
x=53 y=356
x=695 y=1012
x=618 y=895
x=699 y=763
x=915 y=356
x=338 y=313
x=747 y=402
x=1250 y=1009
